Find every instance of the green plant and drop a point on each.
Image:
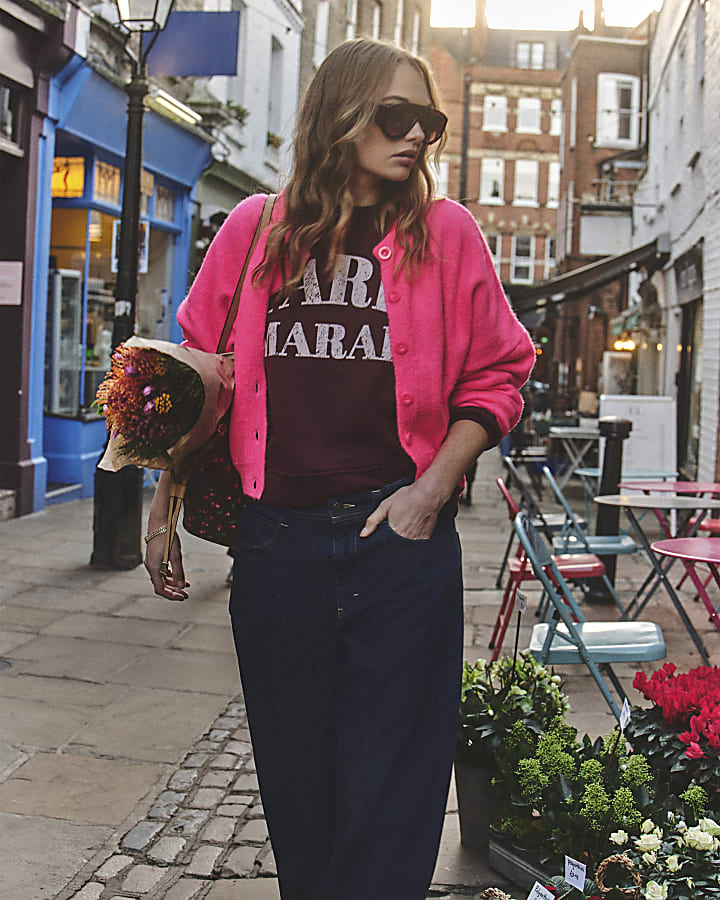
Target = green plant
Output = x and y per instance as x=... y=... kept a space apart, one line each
x=504 y=706
x=274 y=140
x=238 y=111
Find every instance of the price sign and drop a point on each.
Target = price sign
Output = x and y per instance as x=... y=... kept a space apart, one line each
x=575 y=873
x=538 y=892
x=624 y=715
x=521 y=600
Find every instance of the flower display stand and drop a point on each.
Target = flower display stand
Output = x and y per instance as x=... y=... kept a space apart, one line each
x=518 y=866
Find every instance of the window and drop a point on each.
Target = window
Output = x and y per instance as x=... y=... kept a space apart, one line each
x=550 y=245
x=276 y=90
x=9 y=112
x=494 y=242
x=526 y=182
x=528 y=115
x=440 y=176
x=68 y=176
x=618 y=110
x=164 y=204
x=351 y=19
x=492 y=181
x=523 y=256
x=555 y=116
x=106 y=188
x=530 y=55
x=573 y=112
x=415 y=43
x=376 y=19
x=321 y=31
x=399 y=21
x=553 y=191
x=494 y=113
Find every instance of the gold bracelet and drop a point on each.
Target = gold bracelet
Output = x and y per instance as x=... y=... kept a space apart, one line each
x=152 y=534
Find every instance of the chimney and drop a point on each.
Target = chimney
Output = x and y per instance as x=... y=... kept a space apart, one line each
x=599 y=22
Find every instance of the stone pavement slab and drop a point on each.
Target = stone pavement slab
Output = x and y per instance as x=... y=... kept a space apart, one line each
x=75 y=657
x=39 y=724
x=185 y=670
x=114 y=628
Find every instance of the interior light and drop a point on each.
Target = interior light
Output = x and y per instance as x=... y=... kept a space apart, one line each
x=95 y=230
x=538 y=350
x=618 y=345
x=629 y=345
x=658 y=346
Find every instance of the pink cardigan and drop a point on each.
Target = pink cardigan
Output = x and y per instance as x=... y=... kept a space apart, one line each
x=455 y=340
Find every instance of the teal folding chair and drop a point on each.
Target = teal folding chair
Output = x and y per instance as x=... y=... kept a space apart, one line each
x=567 y=637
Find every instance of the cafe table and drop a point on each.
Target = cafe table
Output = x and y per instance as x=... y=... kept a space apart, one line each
x=661 y=504
x=590 y=477
x=577 y=443
x=691 y=551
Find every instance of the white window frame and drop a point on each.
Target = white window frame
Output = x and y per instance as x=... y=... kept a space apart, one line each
x=376 y=19
x=322 y=23
x=494 y=113
x=528 y=115
x=489 y=175
x=497 y=254
x=573 y=113
x=535 y=55
x=526 y=168
x=351 y=15
x=553 y=185
x=555 y=116
x=275 y=92
x=399 y=21
x=524 y=261
x=611 y=117
x=415 y=40
x=441 y=175
x=550 y=261
x=537 y=45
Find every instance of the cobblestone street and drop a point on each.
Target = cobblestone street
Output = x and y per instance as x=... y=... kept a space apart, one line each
x=126 y=769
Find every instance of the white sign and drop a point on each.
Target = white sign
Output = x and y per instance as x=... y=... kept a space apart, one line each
x=11 y=283
x=538 y=892
x=651 y=445
x=521 y=602
x=624 y=715
x=575 y=873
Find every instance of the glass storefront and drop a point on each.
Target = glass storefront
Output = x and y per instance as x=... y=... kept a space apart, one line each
x=689 y=389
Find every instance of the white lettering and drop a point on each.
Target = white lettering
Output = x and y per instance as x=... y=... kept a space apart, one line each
x=363 y=341
x=271 y=339
x=386 y=351
x=296 y=339
x=332 y=334
x=311 y=285
x=362 y=273
x=381 y=299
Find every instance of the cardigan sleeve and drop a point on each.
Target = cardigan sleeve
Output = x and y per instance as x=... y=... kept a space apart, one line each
x=202 y=313
x=500 y=354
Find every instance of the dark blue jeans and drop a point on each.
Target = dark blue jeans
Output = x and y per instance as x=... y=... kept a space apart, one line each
x=350 y=658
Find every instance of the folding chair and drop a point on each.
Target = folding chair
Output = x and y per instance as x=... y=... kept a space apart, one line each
x=576 y=567
x=548 y=523
x=569 y=638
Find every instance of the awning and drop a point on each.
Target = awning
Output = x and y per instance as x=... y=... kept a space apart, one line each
x=571 y=284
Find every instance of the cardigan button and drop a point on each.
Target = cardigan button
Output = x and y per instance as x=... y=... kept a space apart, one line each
x=407 y=400
x=402 y=349
x=393 y=297
x=384 y=253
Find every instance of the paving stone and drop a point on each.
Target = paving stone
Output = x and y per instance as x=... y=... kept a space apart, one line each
x=244 y=799
x=227 y=722
x=269 y=866
x=232 y=809
x=236 y=709
x=113 y=866
x=187 y=822
x=203 y=862
x=247 y=782
x=186 y=889
x=142 y=879
x=242 y=748
x=207 y=798
x=244 y=889
x=207 y=746
x=242 y=733
x=217 y=779
x=219 y=830
x=141 y=835
x=225 y=761
x=167 y=849
x=183 y=779
x=240 y=862
x=8 y=755
x=91 y=891
x=166 y=805
x=254 y=830
x=219 y=734
x=195 y=760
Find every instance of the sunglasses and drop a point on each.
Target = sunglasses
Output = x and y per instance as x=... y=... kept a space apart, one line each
x=396 y=119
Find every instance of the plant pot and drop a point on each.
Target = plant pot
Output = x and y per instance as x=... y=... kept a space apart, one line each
x=475 y=804
x=517 y=865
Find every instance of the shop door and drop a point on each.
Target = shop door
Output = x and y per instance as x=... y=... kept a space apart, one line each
x=689 y=386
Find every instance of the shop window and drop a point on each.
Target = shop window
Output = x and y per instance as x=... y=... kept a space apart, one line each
x=556 y=116
x=494 y=113
x=523 y=256
x=492 y=181
x=68 y=176
x=164 y=204
x=526 y=182
x=106 y=188
x=147 y=188
x=689 y=386
x=618 y=110
x=528 y=115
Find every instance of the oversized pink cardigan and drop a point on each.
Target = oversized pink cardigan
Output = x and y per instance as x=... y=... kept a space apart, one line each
x=455 y=340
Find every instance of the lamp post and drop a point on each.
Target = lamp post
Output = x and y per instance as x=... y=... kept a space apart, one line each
x=118 y=495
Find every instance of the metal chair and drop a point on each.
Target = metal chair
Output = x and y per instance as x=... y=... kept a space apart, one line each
x=569 y=638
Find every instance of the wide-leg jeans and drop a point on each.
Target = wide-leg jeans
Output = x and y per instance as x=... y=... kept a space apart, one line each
x=350 y=654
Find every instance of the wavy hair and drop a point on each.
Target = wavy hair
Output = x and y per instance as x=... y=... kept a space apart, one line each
x=338 y=109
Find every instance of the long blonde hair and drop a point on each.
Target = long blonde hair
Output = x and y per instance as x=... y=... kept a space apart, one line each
x=338 y=109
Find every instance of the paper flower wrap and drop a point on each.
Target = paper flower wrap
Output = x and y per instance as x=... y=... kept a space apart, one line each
x=162 y=403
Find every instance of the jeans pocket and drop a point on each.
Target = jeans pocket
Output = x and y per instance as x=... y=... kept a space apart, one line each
x=261 y=532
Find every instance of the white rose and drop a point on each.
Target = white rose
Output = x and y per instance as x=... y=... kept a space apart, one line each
x=619 y=837
x=699 y=839
x=647 y=826
x=709 y=826
x=649 y=858
x=655 y=891
x=648 y=843
x=673 y=863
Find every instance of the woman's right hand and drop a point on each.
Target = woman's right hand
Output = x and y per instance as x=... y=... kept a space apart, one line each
x=171 y=586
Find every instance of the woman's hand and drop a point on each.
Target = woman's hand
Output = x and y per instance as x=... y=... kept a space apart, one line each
x=172 y=585
x=411 y=512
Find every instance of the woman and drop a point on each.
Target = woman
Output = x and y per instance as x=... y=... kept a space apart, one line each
x=376 y=358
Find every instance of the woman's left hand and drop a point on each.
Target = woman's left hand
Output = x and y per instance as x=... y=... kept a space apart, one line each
x=411 y=512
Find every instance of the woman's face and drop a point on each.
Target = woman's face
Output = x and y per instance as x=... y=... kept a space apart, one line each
x=379 y=157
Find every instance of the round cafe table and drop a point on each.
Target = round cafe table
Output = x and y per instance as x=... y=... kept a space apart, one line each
x=691 y=551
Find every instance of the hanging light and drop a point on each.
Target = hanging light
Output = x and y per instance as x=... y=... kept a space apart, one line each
x=144 y=15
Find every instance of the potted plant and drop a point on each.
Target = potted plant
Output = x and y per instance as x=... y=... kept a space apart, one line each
x=495 y=697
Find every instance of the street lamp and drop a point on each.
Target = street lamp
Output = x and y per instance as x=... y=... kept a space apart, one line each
x=118 y=495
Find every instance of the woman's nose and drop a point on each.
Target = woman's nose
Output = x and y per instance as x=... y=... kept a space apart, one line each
x=416 y=133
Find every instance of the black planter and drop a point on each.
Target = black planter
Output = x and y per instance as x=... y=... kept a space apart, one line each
x=475 y=804
x=517 y=865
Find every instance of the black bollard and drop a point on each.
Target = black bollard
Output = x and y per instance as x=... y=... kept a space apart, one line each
x=615 y=430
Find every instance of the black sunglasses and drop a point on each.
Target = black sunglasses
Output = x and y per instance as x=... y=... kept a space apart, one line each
x=396 y=119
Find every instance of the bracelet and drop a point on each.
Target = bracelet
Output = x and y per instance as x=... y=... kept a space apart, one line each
x=153 y=534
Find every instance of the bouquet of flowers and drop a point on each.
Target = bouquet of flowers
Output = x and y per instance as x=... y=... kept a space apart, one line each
x=162 y=403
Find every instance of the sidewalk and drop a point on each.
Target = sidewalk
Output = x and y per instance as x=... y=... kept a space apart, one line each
x=125 y=763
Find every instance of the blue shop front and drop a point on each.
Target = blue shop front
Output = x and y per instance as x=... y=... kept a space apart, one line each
x=87 y=136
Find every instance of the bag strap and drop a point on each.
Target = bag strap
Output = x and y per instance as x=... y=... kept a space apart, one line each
x=232 y=311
